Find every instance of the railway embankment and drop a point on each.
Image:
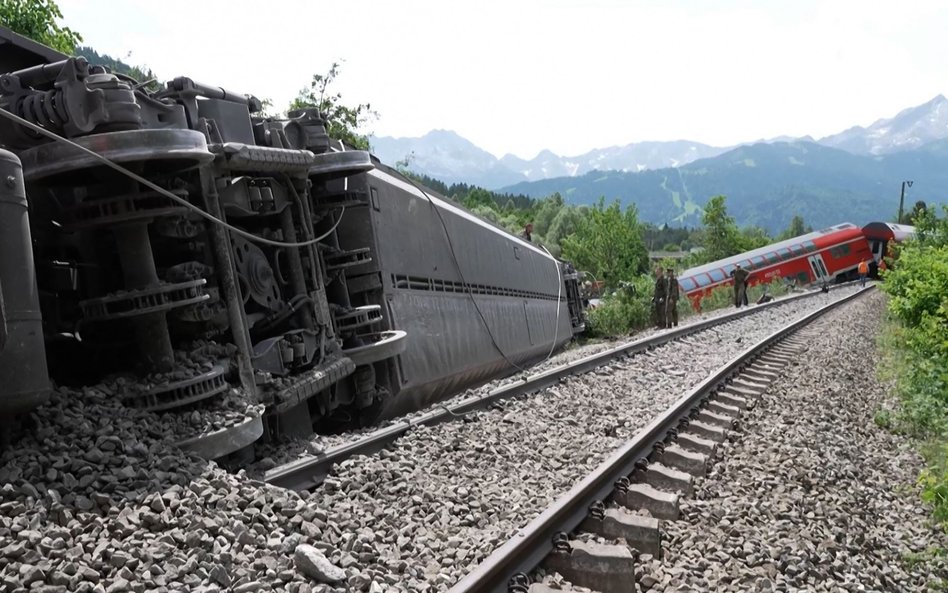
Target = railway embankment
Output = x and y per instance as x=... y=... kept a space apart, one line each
x=99 y=500
x=811 y=494
x=915 y=353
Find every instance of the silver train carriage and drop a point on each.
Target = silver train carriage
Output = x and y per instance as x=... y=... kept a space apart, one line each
x=246 y=252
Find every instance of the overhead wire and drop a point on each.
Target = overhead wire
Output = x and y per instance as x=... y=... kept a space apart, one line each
x=559 y=295
x=164 y=192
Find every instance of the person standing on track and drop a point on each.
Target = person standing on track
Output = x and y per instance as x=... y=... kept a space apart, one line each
x=863 y=272
x=671 y=299
x=658 y=299
x=740 y=285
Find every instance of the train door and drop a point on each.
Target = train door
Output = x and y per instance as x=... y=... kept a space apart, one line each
x=878 y=249
x=819 y=268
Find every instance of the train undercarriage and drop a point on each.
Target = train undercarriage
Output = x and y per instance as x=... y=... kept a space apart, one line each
x=180 y=244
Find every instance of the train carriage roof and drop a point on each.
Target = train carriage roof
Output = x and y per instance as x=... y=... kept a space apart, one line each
x=888 y=231
x=844 y=230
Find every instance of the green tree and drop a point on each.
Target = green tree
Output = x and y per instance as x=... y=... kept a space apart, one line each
x=608 y=243
x=795 y=229
x=479 y=197
x=721 y=237
x=752 y=237
x=342 y=122
x=546 y=212
x=564 y=224
x=918 y=213
x=36 y=19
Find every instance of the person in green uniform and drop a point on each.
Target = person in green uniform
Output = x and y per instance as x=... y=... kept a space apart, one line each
x=740 y=285
x=658 y=299
x=671 y=298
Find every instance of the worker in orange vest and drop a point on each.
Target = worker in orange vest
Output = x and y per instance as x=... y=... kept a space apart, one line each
x=863 y=272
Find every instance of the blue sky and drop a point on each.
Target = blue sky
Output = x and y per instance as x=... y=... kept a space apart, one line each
x=521 y=76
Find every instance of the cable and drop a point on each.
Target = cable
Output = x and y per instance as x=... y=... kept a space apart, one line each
x=457 y=265
x=559 y=294
x=470 y=293
x=249 y=236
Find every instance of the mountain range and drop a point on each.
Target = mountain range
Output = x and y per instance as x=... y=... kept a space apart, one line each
x=766 y=184
x=445 y=155
x=854 y=175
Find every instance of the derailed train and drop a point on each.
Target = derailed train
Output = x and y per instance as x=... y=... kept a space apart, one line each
x=247 y=252
x=819 y=257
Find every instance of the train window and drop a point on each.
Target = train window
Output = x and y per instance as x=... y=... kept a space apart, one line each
x=772 y=258
x=728 y=269
x=797 y=250
x=785 y=254
x=757 y=262
x=687 y=284
x=839 y=251
x=716 y=275
x=745 y=264
x=702 y=279
x=809 y=246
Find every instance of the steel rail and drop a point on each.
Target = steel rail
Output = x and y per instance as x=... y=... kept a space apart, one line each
x=529 y=546
x=308 y=472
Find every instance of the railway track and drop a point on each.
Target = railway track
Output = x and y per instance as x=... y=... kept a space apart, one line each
x=309 y=472
x=418 y=517
x=649 y=473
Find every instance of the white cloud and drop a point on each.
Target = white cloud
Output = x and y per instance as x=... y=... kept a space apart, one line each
x=569 y=76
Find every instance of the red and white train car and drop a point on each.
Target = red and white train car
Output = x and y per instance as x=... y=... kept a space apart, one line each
x=829 y=255
x=880 y=234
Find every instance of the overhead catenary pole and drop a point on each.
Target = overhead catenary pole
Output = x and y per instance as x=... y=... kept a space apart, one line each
x=902 y=199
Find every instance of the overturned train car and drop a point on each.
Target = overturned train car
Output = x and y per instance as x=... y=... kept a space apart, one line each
x=246 y=253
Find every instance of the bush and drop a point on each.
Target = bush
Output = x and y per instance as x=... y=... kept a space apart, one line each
x=630 y=307
x=918 y=358
x=627 y=309
x=934 y=482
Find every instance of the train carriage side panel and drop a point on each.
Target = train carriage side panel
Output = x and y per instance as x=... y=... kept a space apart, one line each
x=515 y=286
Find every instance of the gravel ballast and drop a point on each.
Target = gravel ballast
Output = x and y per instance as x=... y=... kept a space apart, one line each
x=810 y=495
x=441 y=499
x=287 y=452
x=99 y=500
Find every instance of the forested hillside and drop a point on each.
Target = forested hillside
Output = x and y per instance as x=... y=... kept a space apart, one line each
x=767 y=184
